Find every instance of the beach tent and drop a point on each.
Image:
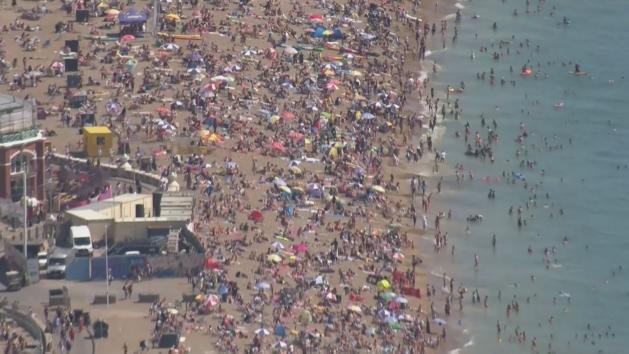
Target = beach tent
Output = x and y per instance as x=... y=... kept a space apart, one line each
x=263 y=286
x=280 y=330
x=318 y=32
x=132 y=17
x=337 y=34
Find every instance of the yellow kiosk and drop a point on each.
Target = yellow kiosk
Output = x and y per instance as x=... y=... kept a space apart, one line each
x=97 y=141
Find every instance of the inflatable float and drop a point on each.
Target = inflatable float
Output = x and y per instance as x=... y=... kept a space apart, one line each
x=526 y=72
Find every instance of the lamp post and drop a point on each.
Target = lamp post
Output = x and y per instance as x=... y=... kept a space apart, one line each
x=24 y=195
x=100 y=153
x=107 y=263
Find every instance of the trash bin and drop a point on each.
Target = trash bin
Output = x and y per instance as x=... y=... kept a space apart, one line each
x=101 y=329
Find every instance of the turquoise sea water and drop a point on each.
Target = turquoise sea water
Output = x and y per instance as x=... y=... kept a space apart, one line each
x=587 y=178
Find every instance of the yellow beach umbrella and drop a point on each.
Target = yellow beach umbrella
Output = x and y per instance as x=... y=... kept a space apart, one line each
x=285 y=189
x=274 y=258
x=214 y=138
x=355 y=308
x=378 y=189
x=172 y=17
x=296 y=170
x=103 y=5
x=383 y=284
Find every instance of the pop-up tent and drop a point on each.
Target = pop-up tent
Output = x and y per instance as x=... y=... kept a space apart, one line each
x=132 y=17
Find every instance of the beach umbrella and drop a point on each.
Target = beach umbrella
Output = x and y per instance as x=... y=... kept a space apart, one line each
x=378 y=189
x=384 y=313
x=162 y=111
x=290 y=51
x=288 y=115
x=194 y=71
x=295 y=170
x=111 y=17
x=113 y=12
x=130 y=64
x=275 y=258
x=213 y=138
x=383 y=284
x=405 y=317
x=263 y=286
x=390 y=319
x=296 y=136
x=211 y=300
x=298 y=190
x=305 y=316
x=172 y=311
x=57 y=65
x=317 y=18
x=396 y=325
x=172 y=17
x=170 y=47
x=210 y=263
x=300 y=248
x=388 y=295
x=314 y=190
x=279 y=345
x=262 y=332
x=103 y=5
x=368 y=116
x=332 y=85
x=398 y=256
x=276 y=145
x=274 y=119
x=354 y=308
x=355 y=73
x=401 y=300
x=256 y=216
x=127 y=38
x=278 y=182
x=277 y=245
x=285 y=189
x=223 y=78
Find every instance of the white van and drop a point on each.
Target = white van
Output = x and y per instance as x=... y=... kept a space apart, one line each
x=81 y=240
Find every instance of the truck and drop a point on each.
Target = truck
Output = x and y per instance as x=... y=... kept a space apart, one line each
x=57 y=265
x=81 y=240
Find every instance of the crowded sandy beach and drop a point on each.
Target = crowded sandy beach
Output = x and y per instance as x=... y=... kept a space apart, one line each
x=309 y=135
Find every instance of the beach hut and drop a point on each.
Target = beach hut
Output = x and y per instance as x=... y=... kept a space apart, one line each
x=97 y=141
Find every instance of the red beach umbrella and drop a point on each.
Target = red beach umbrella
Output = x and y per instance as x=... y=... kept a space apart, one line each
x=256 y=216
